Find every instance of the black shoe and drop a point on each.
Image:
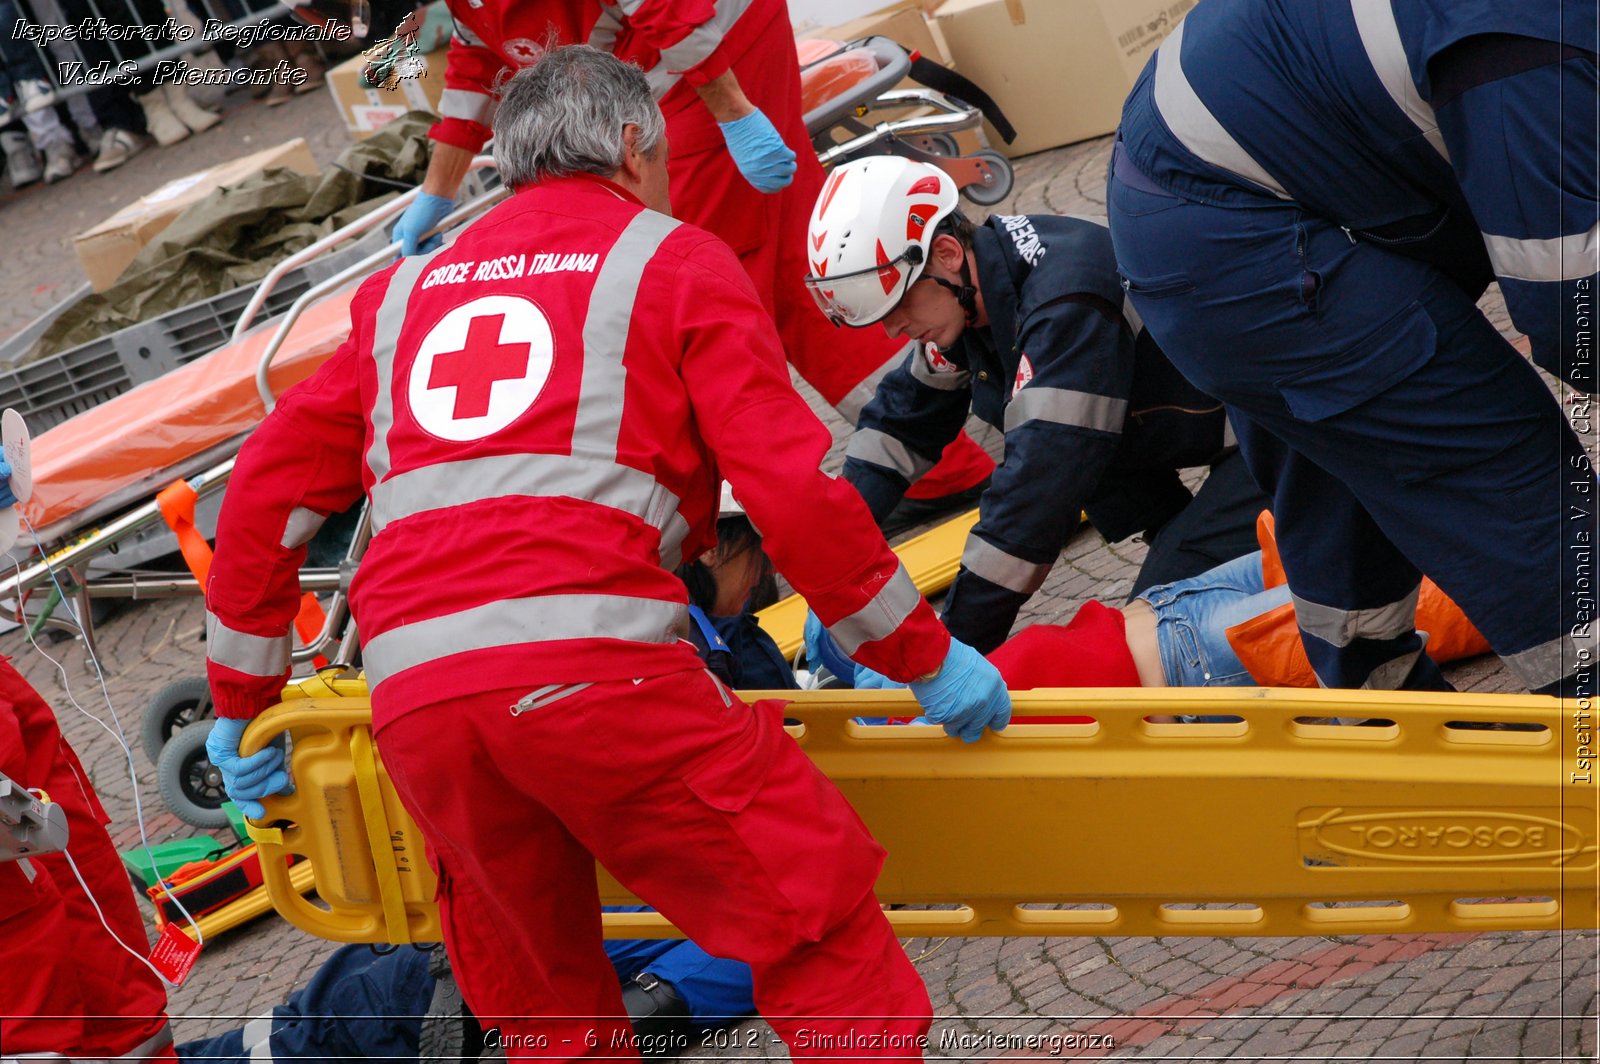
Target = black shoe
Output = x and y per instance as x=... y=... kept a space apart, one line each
x=659 y=1014
x=449 y=1031
x=913 y=512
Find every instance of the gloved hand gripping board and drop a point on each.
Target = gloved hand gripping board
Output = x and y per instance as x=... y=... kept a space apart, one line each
x=1272 y=825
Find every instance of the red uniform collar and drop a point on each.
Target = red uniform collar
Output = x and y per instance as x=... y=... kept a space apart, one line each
x=574 y=181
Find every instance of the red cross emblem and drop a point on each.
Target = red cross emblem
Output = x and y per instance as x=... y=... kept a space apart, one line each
x=473 y=370
x=480 y=367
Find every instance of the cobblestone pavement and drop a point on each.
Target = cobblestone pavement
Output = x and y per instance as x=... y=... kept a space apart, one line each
x=1495 y=996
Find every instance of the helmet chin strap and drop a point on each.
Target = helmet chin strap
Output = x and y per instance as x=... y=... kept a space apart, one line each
x=965 y=294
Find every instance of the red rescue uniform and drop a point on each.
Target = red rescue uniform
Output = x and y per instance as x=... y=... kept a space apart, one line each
x=69 y=988
x=682 y=44
x=538 y=412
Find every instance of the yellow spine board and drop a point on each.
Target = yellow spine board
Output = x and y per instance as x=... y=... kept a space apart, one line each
x=1273 y=825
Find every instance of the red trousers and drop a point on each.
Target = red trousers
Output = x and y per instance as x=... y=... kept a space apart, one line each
x=69 y=988
x=704 y=808
x=769 y=234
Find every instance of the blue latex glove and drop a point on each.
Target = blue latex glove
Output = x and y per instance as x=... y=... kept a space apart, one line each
x=822 y=650
x=761 y=155
x=425 y=212
x=246 y=779
x=7 y=496
x=965 y=696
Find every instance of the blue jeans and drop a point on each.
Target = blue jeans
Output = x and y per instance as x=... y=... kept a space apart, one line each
x=1193 y=616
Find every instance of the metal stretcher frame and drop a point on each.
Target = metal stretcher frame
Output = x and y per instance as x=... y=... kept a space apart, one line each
x=1272 y=825
x=74 y=558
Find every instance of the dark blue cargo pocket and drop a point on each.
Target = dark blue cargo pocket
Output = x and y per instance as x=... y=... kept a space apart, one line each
x=1344 y=380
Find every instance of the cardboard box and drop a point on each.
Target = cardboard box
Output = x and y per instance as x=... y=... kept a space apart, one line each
x=364 y=109
x=1059 y=69
x=904 y=24
x=106 y=249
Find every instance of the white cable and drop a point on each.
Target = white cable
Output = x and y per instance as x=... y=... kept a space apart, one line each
x=119 y=735
x=141 y=958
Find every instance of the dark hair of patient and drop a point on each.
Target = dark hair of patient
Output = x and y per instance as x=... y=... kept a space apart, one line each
x=735 y=536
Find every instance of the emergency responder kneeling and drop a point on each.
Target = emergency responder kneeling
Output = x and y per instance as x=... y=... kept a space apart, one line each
x=1022 y=321
x=536 y=450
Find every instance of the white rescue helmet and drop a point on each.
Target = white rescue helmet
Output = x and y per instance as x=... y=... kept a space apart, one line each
x=870 y=233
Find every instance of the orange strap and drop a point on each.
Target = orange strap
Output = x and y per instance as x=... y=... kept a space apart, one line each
x=176 y=502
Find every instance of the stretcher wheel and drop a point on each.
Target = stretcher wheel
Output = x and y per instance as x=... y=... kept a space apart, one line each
x=190 y=784
x=171 y=709
x=941 y=144
x=1004 y=179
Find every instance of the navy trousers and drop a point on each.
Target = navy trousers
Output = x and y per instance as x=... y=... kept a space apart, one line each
x=1395 y=430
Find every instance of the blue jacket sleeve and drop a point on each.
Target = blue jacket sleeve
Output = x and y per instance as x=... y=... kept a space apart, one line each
x=1522 y=142
x=1062 y=429
x=914 y=415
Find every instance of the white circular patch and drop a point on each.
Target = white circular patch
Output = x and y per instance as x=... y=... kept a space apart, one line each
x=481 y=367
x=524 y=51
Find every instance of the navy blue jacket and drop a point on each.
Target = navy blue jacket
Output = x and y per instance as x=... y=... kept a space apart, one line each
x=1095 y=417
x=1461 y=132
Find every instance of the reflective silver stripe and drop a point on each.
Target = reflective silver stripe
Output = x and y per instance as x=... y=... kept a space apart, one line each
x=1380 y=36
x=161 y=1040
x=984 y=559
x=1392 y=673
x=695 y=48
x=514 y=622
x=301 y=526
x=27 y=869
x=879 y=618
x=253 y=655
x=1342 y=627
x=882 y=449
x=944 y=382
x=630 y=7
x=606 y=29
x=467 y=105
x=385 y=336
x=1065 y=406
x=467 y=37
x=1546 y=663
x=256 y=1038
x=447 y=484
x=1561 y=258
x=857 y=398
x=1229 y=437
x=605 y=334
x=1194 y=124
x=1130 y=314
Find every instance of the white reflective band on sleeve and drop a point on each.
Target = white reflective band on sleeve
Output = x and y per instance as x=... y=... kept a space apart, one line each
x=879 y=618
x=1065 y=406
x=1130 y=314
x=301 y=526
x=1562 y=258
x=984 y=559
x=605 y=334
x=1546 y=663
x=857 y=398
x=385 y=336
x=1194 y=124
x=447 y=484
x=944 y=382
x=1229 y=437
x=256 y=1038
x=692 y=50
x=1342 y=627
x=882 y=449
x=1380 y=35
x=467 y=105
x=629 y=8
x=606 y=29
x=253 y=655
x=467 y=37
x=514 y=622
